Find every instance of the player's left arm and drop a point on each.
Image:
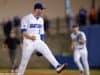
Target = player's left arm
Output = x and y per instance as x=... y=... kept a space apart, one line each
x=42 y=31
x=82 y=38
x=42 y=36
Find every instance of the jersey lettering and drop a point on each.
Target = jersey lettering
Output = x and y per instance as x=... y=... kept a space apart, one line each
x=35 y=26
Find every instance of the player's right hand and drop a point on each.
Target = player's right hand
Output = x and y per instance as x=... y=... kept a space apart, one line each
x=33 y=38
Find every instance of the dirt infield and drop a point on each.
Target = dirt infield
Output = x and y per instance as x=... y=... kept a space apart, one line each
x=52 y=72
x=8 y=74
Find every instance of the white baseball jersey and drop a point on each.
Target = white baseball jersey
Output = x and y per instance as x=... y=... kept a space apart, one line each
x=33 y=26
x=75 y=38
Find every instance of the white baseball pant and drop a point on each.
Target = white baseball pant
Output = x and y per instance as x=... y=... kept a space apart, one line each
x=32 y=46
x=83 y=55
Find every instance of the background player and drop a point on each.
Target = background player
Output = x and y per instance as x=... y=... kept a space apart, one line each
x=11 y=43
x=32 y=28
x=80 y=51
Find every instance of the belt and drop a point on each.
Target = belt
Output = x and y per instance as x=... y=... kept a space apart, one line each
x=80 y=48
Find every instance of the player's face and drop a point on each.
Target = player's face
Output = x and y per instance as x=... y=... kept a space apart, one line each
x=39 y=12
x=75 y=30
x=12 y=35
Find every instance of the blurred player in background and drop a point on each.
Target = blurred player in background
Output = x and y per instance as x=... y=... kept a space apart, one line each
x=32 y=28
x=12 y=42
x=80 y=50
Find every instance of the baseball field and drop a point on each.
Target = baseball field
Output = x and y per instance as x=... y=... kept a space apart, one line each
x=51 y=72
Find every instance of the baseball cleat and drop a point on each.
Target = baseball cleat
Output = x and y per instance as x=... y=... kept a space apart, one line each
x=81 y=73
x=60 y=68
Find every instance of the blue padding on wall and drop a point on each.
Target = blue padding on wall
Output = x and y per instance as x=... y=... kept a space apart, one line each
x=66 y=59
x=93 y=44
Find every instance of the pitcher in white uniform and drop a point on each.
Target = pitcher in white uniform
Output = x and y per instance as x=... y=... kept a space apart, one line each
x=80 y=50
x=32 y=28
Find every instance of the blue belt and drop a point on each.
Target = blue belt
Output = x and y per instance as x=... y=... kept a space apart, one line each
x=80 y=48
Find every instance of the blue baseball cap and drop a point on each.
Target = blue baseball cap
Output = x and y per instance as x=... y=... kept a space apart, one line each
x=39 y=6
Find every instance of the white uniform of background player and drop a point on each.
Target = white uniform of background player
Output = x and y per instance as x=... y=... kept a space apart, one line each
x=32 y=28
x=80 y=50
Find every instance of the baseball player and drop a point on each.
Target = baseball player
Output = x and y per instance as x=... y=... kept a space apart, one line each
x=80 y=50
x=32 y=28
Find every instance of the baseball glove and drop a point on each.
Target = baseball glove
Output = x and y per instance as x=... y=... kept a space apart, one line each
x=79 y=37
x=38 y=54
